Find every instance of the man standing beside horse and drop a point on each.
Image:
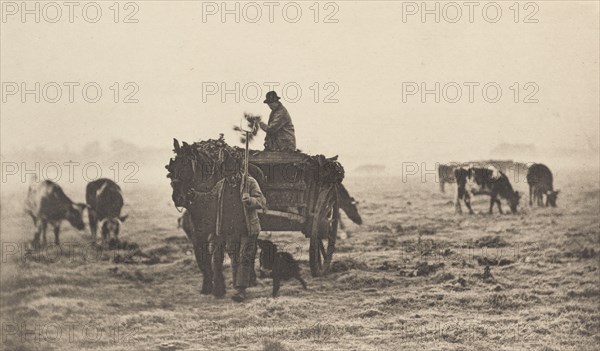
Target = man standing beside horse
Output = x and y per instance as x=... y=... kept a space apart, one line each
x=237 y=227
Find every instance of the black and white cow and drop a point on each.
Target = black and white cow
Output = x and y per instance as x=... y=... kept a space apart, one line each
x=47 y=204
x=484 y=181
x=105 y=202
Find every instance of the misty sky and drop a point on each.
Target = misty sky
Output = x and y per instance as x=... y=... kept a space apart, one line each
x=170 y=54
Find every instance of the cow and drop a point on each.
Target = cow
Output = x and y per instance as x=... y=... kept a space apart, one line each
x=47 y=203
x=105 y=202
x=446 y=171
x=539 y=178
x=485 y=181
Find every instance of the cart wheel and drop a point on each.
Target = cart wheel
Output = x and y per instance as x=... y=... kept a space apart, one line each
x=320 y=255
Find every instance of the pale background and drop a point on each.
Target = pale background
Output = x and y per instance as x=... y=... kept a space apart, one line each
x=368 y=54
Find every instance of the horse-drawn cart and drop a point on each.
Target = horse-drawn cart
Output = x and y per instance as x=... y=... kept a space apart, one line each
x=304 y=193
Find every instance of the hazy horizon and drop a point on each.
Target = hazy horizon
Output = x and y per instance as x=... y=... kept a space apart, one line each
x=366 y=68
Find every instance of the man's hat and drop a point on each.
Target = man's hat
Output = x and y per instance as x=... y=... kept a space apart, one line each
x=231 y=163
x=271 y=97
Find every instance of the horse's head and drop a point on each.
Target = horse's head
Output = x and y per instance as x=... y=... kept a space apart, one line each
x=348 y=204
x=187 y=171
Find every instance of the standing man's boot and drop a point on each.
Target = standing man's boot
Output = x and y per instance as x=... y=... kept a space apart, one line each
x=240 y=295
x=252 y=277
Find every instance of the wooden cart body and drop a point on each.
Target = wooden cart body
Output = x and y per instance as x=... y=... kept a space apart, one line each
x=300 y=198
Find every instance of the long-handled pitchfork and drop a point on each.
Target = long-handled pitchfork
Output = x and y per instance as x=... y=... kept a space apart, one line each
x=246 y=155
x=247 y=126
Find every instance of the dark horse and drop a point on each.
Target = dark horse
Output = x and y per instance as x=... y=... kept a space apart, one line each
x=194 y=172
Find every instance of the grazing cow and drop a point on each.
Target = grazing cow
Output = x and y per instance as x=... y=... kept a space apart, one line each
x=446 y=171
x=495 y=183
x=47 y=204
x=105 y=202
x=540 y=180
x=485 y=181
x=282 y=265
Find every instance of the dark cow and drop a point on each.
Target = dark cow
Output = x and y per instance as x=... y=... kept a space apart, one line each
x=487 y=181
x=47 y=204
x=540 y=181
x=105 y=202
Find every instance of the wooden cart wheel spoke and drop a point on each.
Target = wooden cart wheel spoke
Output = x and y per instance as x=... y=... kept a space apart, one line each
x=322 y=249
x=321 y=255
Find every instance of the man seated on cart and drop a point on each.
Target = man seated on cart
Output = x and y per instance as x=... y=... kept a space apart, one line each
x=280 y=129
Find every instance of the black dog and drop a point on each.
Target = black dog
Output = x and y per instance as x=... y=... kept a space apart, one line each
x=282 y=265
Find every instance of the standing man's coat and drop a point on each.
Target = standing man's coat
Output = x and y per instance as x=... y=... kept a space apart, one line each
x=234 y=237
x=257 y=202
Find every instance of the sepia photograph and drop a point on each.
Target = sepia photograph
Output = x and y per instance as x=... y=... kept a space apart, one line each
x=299 y=175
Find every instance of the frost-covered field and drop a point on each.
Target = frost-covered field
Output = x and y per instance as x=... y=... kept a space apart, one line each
x=412 y=277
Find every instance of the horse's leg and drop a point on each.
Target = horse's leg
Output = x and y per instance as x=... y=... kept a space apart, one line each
x=530 y=195
x=203 y=260
x=276 y=285
x=207 y=273
x=218 y=255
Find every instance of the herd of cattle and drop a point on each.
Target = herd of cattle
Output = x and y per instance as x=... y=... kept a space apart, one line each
x=491 y=180
x=48 y=204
